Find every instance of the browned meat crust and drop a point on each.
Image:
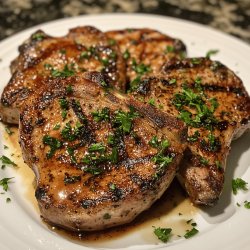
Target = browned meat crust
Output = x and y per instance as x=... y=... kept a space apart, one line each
x=98 y=163
x=214 y=104
x=42 y=56
x=145 y=51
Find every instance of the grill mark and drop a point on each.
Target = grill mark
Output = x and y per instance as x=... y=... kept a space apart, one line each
x=86 y=133
x=184 y=64
x=120 y=145
x=144 y=184
x=48 y=52
x=78 y=112
x=216 y=88
x=10 y=97
x=189 y=63
x=160 y=119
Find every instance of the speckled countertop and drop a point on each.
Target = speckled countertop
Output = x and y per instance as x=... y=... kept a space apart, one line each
x=230 y=16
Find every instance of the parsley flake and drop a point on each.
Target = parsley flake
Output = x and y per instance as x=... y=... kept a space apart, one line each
x=239 y=184
x=163 y=234
x=8 y=131
x=247 y=204
x=5 y=183
x=211 y=53
x=53 y=143
x=191 y=233
x=126 y=54
x=6 y=160
x=124 y=119
x=106 y=216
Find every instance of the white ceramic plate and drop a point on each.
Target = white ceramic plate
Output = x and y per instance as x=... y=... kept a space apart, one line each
x=223 y=227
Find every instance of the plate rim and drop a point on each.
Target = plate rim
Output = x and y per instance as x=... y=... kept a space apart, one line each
x=14 y=37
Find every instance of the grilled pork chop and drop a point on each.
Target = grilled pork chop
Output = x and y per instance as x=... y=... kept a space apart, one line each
x=145 y=51
x=42 y=56
x=214 y=104
x=100 y=158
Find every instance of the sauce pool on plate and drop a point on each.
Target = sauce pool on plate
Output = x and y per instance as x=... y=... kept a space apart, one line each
x=173 y=210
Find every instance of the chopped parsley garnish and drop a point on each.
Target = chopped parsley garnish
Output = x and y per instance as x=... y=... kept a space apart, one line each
x=211 y=53
x=6 y=160
x=97 y=147
x=196 y=60
x=163 y=234
x=140 y=69
x=69 y=133
x=71 y=153
x=69 y=89
x=53 y=143
x=63 y=103
x=110 y=139
x=105 y=61
x=161 y=145
x=102 y=115
x=5 y=147
x=57 y=126
x=239 y=184
x=64 y=106
x=172 y=81
x=71 y=179
x=92 y=169
x=38 y=36
x=160 y=159
x=106 y=216
x=134 y=83
x=8 y=199
x=111 y=42
x=218 y=164
x=247 y=204
x=204 y=161
x=114 y=155
x=194 y=137
x=5 y=183
x=126 y=54
x=169 y=49
x=66 y=72
x=212 y=144
x=203 y=114
x=8 y=131
x=151 y=101
x=191 y=233
x=104 y=84
x=124 y=119
x=197 y=80
x=154 y=142
x=112 y=186
x=85 y=55
x=215 y=65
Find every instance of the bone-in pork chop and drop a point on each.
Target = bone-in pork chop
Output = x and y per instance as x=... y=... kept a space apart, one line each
x=215 y=106
x=145 y=51
x=100 y=158
x=42 y=56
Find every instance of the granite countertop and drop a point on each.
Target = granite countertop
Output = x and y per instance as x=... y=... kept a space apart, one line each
x=230 y=16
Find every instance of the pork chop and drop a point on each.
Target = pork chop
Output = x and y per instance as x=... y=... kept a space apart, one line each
x=42 y=56
x=215 y=106
x=145 y=51
x=100 y=158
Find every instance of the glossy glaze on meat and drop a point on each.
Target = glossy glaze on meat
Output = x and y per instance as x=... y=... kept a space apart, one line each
x=213 y=102
x=42 y=56
x=80 y=188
